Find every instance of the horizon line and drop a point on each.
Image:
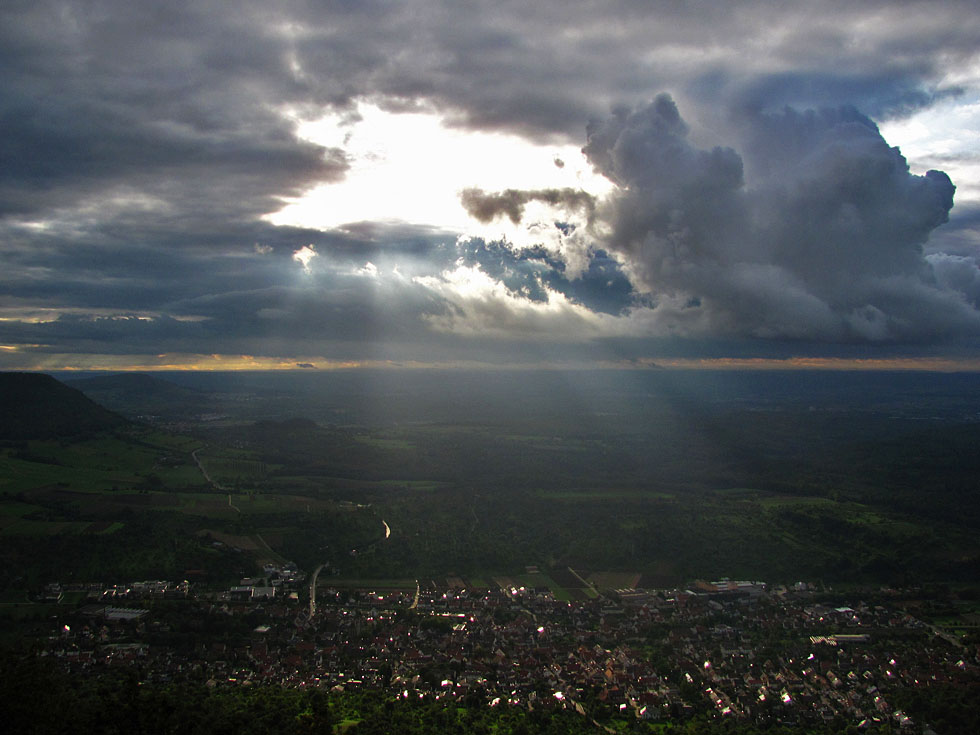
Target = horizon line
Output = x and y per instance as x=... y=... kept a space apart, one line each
x=250 y=363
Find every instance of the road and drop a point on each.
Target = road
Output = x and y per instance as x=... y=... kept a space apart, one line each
x=313 y=590
x=213 y=483
x=585 y=583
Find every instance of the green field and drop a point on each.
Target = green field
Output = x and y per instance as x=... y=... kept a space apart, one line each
x=604 y=494
x=477 y=502
x=385 y=443
x=225 y=469
x=44 y=528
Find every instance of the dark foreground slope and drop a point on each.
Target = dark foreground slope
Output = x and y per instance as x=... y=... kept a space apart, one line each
x=36 y=406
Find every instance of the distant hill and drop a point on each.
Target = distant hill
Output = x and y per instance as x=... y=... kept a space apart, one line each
x=138 y=393
x=36 y=406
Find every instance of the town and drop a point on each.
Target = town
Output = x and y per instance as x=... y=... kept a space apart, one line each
x=740 y=650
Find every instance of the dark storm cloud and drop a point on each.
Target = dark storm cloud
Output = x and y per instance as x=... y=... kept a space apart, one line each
x=961 y=236
x=299 y=318
x=169 y=110
x=98 y=91
x=958 y=273
x=818 y=235
x=882 y=94
x=486 y=206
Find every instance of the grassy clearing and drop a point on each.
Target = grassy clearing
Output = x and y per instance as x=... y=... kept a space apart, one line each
x=540 y=579
x=614 y=580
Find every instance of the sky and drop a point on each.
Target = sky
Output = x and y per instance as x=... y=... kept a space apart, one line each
x=625 y=183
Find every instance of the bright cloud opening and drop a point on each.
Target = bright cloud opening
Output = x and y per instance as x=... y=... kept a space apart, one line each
x=482 y=306
x=410 y=167
x=305 y=255
x=944 y=136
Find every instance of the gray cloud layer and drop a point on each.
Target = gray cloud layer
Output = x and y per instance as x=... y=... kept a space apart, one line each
x=143 y=143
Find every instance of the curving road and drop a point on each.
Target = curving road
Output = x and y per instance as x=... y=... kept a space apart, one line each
x=313 y=590
x=213 y=483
